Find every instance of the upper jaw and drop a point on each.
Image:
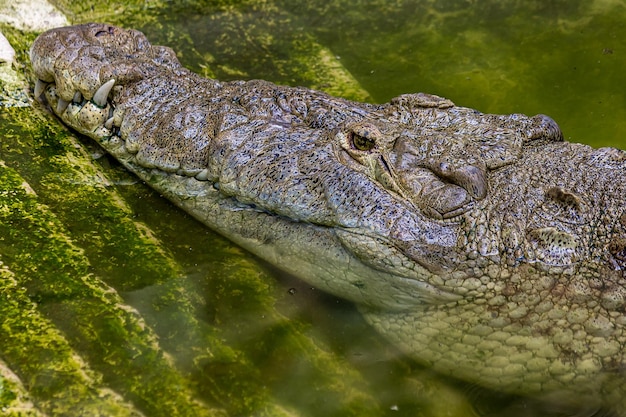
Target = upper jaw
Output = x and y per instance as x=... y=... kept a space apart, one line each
x=81 y=70
x=91 y=59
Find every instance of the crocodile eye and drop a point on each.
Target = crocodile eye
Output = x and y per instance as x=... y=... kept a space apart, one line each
x=362 y=143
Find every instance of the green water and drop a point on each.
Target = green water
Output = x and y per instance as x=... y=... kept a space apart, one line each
x=565 y=59
x=193 y=316
x=562 y=58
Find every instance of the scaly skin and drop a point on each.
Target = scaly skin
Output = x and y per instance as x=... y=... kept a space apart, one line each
x=481 y=244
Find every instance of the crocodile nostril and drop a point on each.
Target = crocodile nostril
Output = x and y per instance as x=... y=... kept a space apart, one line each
x=108 y=31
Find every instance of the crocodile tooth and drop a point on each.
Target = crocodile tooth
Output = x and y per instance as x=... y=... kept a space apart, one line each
x=78 y=97
x=62 y=105
x=39 y=87
x=202 y=175
x=109 y=123
x=100 y=98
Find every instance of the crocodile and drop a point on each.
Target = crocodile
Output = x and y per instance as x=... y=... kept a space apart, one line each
x=482 y=245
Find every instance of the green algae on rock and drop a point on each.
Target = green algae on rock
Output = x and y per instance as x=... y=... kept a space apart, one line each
x=53 y=275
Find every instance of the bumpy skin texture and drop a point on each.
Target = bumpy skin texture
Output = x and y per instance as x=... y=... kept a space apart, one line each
x=482 y=244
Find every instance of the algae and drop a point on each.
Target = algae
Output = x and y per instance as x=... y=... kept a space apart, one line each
x=111 y=337
x=261 y=40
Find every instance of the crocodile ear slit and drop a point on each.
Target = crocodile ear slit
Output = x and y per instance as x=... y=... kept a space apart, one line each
x=564 y=205
x=564 y=197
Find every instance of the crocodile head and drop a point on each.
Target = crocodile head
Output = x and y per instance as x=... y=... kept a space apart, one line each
x=482 y=244
x=437 y=164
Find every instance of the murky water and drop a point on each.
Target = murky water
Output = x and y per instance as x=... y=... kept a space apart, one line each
x=270 y=335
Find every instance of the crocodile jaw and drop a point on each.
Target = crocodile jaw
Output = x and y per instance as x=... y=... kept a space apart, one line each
x=316 y=254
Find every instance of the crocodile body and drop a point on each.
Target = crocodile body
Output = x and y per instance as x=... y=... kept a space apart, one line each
x=483 y=245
